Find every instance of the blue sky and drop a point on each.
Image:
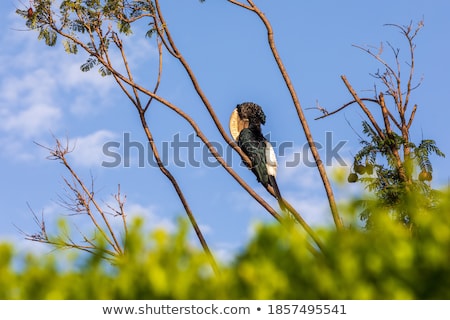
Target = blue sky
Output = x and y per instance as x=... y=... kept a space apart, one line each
x=43 y=92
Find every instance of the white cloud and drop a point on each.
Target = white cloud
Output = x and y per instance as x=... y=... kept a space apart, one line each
x=82 y=224
x=206 y=229
x=87 y=150
x=32 y=106
x=315 y=210
x=225 y=252
x=302 y=186
x=27 y=106
x=39 y=86
x=297 y=176
x=151 y=218
x=43 y=91
x=240 y=202
x=89 y=91
x=32 y=121
x=139 y=49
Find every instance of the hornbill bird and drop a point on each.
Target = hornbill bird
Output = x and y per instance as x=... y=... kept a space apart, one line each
x=245 y=127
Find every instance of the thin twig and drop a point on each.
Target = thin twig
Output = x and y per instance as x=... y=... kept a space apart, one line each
x=118 y=76
x=179 y=192
x=158 y=80
x=411 y=118
x=199 y=90
x=345 y=106
x=363 y=106
x=141 y=110
x=300 y=113
x=240 y=4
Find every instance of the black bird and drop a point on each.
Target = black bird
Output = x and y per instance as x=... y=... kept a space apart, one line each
x=245 y=127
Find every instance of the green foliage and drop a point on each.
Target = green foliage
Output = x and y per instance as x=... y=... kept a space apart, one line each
x=387 y=262
x=151 y=31
x=124 y=27
x=90 y=18
x=104 y=71
x=89 y=64
x=48 y=35
x=70 y=47
x=77 y=26
x=422 y=154
x=381 y=172
x=390 y=261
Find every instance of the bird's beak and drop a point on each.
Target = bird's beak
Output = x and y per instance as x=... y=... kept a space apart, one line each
x=237 y=124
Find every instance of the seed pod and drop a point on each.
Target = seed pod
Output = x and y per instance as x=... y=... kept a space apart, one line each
x=359 y=168
x=425 y=176
x=352 y=177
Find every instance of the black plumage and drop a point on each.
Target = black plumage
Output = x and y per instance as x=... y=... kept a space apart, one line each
x=256 y=146
x=252 y=112
x=253 y=143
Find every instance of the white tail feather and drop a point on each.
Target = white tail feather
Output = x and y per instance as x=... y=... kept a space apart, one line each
x=271 y=160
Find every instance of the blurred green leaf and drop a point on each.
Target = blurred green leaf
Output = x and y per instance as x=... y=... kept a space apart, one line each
x=387 y=262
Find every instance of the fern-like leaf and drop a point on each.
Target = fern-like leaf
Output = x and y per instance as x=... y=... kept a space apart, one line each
x=124 y=27
x=77 y=26
x=430 y=146
x=104 y=71
x=48 y=35
x=150 y=32
x=89 y=64
x=70 y=47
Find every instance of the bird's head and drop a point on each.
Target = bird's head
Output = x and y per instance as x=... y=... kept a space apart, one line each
x=246 y=115
x=252 y=112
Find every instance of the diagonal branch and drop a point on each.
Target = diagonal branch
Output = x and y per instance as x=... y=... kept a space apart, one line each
x=411 y=118
x=363 y=106
x=240 y=4
x=300 y=113
x=379 y=59
x=344 y=106
x=141 y=110
x=103 y=58
x=178 y=190
x=60 y=153
x=198 y=88
x=82 y=200
x=119 y=76
x=158 y=80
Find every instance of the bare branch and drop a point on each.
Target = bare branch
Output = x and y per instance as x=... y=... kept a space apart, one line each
x=384 y=112
x=179 y=192
x=83 y=200
x=300 y=113
x=411 y=118
x=345 y=106
x=214 y=118
x=378 y=58
x=120 y=77
x=199 y=90
x=158 y=80
x=240 y=4
x=363 y=106
x=58 y=242
x=84 y=197
x=119 y=45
